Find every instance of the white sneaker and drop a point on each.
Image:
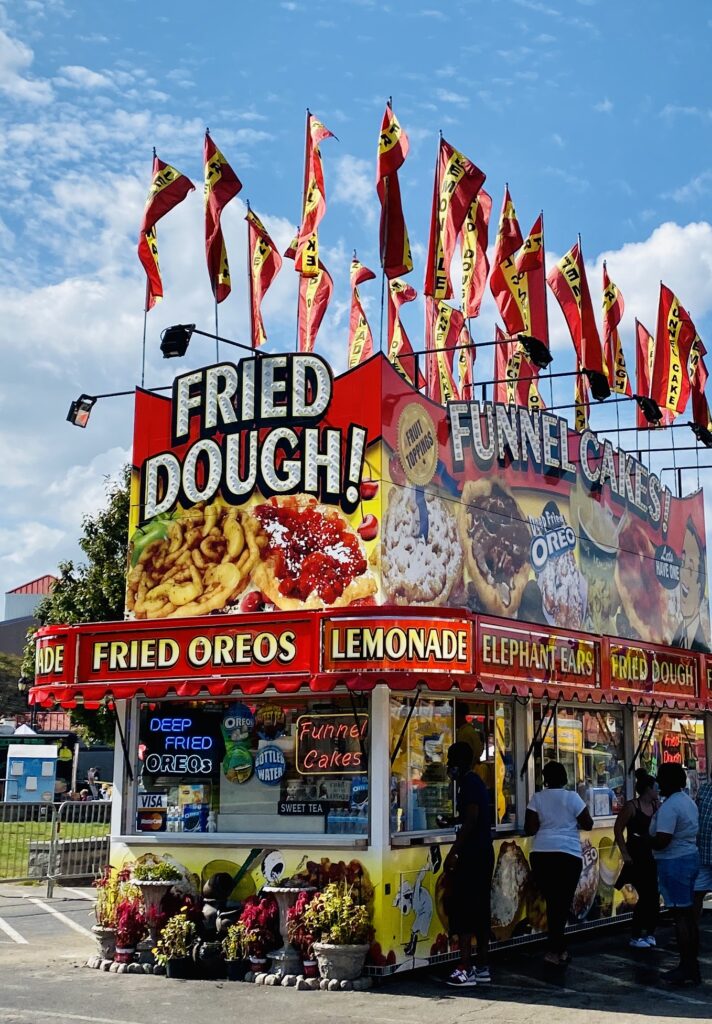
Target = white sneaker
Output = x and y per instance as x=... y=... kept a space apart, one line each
x=650 y=939
x=462 y=979
x=639 y=944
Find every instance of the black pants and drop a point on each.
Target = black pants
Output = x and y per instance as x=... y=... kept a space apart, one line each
x=556 y=876
x=644 y=876
x=468 y=900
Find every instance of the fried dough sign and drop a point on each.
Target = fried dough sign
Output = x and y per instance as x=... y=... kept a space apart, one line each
x=203 y=562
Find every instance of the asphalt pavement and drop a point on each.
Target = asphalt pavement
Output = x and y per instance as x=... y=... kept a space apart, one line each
x=44 y=944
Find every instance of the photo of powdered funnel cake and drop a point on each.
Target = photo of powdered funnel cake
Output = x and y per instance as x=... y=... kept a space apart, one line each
x=509 y=887
x=644 y=600
x=597 y=529
x=422 y=557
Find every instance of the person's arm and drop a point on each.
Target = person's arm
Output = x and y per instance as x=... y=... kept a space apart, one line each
x=469 y=820
x=531 y=822
x=660 y=840
x=663 y=825
x=624 y=816
x=584 y=820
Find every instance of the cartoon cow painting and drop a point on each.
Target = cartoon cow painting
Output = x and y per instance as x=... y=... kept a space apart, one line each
x=416 y=900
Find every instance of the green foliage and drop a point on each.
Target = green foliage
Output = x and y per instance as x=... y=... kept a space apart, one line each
x=176 y=939
x=91 y=591
x=113 y=888
x=11 y=699
x=234 y=945
x=161 y=872
x=335 y=916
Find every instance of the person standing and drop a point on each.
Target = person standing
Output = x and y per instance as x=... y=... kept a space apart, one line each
x=632 y=832
x=703 y=882
x=469 y=866
x=674 y=841
x=554 y=817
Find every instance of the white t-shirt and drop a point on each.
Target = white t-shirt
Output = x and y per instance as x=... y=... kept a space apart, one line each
x=557 y=810
x=678 y=817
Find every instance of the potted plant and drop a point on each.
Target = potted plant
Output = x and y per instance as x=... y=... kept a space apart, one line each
x=343 y=928
x=175 y=945
x=260 y=920
x=234 y=947
x=107 y=900
x=300 y=936
x=154 y=881
x=130 y=926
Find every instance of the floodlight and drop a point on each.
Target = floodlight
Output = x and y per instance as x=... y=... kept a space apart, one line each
x=600 y=388
x=80 y=410
x=650 y=409
x=175 y=340
x=537 y=352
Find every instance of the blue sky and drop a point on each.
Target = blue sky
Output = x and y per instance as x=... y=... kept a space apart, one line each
x=598 y=112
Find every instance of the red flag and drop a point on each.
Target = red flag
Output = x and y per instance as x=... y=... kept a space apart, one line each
x=443 y=326
x=475 y=265
x=700 y=408
x=360 y=337
x=457 y=182
x=567 y=281
x=400 y=350
x=314 y=297
x=395 y=254
x=307 y=258
x=516 y=376
x=613 y=307
x=530 y=262
x=168 y=188
x=670 y=381
x=465 y=364
x=506 y=283
x=221 y=185
x=644 y=356
x=265 y=263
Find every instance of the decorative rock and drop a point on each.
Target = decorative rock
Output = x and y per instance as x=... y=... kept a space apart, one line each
x=106 y=964
x=301 y=984
x=147 y=968
x=272 y=979
x=250 y=977
x=121 y=969
x=289 y=980
x=159 y=969
x=134 y=969
x=323 y=984
x=346 y=986
x=260 y=978
x=312 y=984
x=97 y=963
x=114 y=968
x=333 y=985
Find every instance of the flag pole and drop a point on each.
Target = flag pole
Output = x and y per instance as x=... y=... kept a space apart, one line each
x=546 y=305
x=143 y=347
x=250 y=282
x=384 y=243
x=301 y=217
x=435 y=258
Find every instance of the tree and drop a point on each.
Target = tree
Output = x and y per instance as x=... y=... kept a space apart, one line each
x=91 y=591
x=11 y=699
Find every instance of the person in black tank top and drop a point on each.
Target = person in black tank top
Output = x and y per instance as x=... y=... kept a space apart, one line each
x=639 y=867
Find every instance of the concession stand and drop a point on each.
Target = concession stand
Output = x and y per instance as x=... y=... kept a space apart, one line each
x=330 y=580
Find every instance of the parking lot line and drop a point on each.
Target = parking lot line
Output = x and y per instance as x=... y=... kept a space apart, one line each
x=13 y=934
x=80 y=893
x=61 y=917
x=611 y=978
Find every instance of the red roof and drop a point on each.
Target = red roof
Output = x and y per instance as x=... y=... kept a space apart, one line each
x=42 y=585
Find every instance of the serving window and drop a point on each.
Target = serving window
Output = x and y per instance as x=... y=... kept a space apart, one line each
x=590 y=745
x=422 y=729
x=673 y=739
x=277 y=765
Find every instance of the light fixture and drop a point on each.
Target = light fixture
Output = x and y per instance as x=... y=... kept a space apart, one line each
x=175 y=340
x=600 y=388
x=703 y=435
x=536 y=350
x=649 y=408
x=80 y=410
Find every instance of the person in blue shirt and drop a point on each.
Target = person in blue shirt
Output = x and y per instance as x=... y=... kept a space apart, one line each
x=469 y=866
x=674 y=842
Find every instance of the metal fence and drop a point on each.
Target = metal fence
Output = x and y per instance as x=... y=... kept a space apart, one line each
x=54 y=842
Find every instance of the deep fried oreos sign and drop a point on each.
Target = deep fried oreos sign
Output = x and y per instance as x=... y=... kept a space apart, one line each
x=262 y=427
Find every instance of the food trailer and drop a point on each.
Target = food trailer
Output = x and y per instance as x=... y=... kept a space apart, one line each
x=330 y=580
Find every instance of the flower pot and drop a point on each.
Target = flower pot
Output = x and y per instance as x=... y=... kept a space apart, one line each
x=152 y=894
x=124 y=954
x=105 y=940
x=180 y=967
x=311 y=968
x=258 y=964
x=342 y=962
x=237 y=969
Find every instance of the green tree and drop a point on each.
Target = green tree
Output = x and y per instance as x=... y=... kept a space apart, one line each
x=91 y=591
x=11 y=699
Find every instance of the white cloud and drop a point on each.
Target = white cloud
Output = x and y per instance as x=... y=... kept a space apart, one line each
x=79 y=77
x=605 y=106
x=354 y=185
x=15 y=60
x=675 y=110
x=700 y=185
x=456 y=98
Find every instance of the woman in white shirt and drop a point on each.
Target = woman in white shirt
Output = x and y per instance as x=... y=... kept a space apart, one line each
x=554 y=817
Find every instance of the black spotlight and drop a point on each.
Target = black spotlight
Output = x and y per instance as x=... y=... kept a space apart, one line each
x=536 y=350
x=175 y=340
x=80 y=410
x=650 y=409
x=600 y=388
x=703 y=435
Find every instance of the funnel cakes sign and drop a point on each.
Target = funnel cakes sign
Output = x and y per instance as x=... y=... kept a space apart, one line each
x=273 y=485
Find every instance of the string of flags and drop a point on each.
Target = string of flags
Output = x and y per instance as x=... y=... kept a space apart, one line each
x=670 y=369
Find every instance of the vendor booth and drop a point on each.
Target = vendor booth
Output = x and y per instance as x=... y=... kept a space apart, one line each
x=332 y=579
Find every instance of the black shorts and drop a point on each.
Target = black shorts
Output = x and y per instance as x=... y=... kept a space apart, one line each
x=469 y=890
